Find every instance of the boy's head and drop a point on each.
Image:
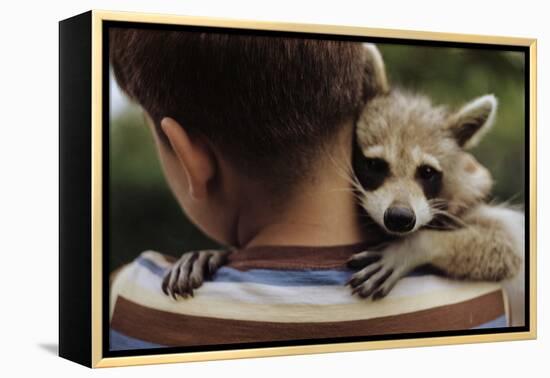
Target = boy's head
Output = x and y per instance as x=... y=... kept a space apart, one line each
x=227 y=105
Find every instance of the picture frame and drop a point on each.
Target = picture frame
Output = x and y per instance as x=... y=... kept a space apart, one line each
x=84 y=268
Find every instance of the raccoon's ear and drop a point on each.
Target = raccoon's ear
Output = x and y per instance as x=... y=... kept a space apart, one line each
x=473 y=120
x=376 y=81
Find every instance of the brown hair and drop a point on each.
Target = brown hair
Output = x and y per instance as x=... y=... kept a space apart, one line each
x=267 y=102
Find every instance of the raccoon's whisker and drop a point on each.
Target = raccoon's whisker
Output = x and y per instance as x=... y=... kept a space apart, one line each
x=506 y=202
x=347 y=173
x=352 y=190
x=459 y=204
x=342 y=190
x=438 y=201
x=343 y=170
x=357 y=196
x=437 y=204
x=448 y=215
x=436 y=211
x=443 y=204
x=513 y=197
x=444 y=212
x=357 y=185
x=443 y=228
x=446 y=224
x=346 y=177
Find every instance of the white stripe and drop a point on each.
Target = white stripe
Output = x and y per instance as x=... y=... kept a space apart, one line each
x=250 y=292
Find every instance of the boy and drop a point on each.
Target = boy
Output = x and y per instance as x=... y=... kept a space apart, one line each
x=254 y=134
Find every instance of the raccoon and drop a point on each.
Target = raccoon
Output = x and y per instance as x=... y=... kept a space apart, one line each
x=417 y=184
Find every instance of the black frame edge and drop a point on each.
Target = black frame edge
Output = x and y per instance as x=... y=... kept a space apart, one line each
x=75 y=195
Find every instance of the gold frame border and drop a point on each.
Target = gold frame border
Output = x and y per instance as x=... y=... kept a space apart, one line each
x=99 y=16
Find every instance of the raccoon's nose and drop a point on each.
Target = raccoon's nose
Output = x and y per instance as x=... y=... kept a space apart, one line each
x=399 y=219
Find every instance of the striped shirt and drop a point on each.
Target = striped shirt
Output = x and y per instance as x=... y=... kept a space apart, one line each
x=288 y=293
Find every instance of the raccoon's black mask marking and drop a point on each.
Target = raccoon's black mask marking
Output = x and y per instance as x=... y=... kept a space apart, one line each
x=371 y=172
x=430 y=179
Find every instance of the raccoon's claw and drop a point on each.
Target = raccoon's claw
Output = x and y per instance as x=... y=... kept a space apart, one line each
x=190 y=271
x=362 y=259
x=381 y=271
x=375 y=280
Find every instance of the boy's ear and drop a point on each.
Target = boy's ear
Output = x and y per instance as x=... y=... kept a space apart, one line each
x=376 y=79
x=196 y=158
x=473 y=120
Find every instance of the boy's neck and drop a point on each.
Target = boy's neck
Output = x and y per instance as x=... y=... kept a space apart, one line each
x=323 y=213
x=324 y=219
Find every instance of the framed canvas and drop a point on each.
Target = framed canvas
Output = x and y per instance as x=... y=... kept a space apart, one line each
x=234 y=189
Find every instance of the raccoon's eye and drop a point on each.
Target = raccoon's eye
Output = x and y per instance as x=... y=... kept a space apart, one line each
x=370 y=172
x=427 y=173
x=376 y=165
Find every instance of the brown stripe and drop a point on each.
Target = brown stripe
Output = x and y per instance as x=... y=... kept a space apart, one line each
x=293 y=257
x=296 y=257
x=171 y=329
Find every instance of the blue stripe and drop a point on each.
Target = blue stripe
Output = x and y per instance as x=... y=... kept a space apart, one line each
x=304 y=277
x=284 y=277
x=151 y=266
x=119 y=341
x=277 y=277
x=499 y=322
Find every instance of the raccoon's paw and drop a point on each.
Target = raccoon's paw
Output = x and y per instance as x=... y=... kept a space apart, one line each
x=379 y=274
x=191 y=270
x=500 y=266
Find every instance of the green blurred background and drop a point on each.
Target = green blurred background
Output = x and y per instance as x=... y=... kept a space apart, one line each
x=144 y=215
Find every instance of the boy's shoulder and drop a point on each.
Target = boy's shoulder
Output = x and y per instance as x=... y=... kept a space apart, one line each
x=250 y=304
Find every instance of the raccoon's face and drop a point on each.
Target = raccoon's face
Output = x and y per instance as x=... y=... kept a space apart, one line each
x=410 y=163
